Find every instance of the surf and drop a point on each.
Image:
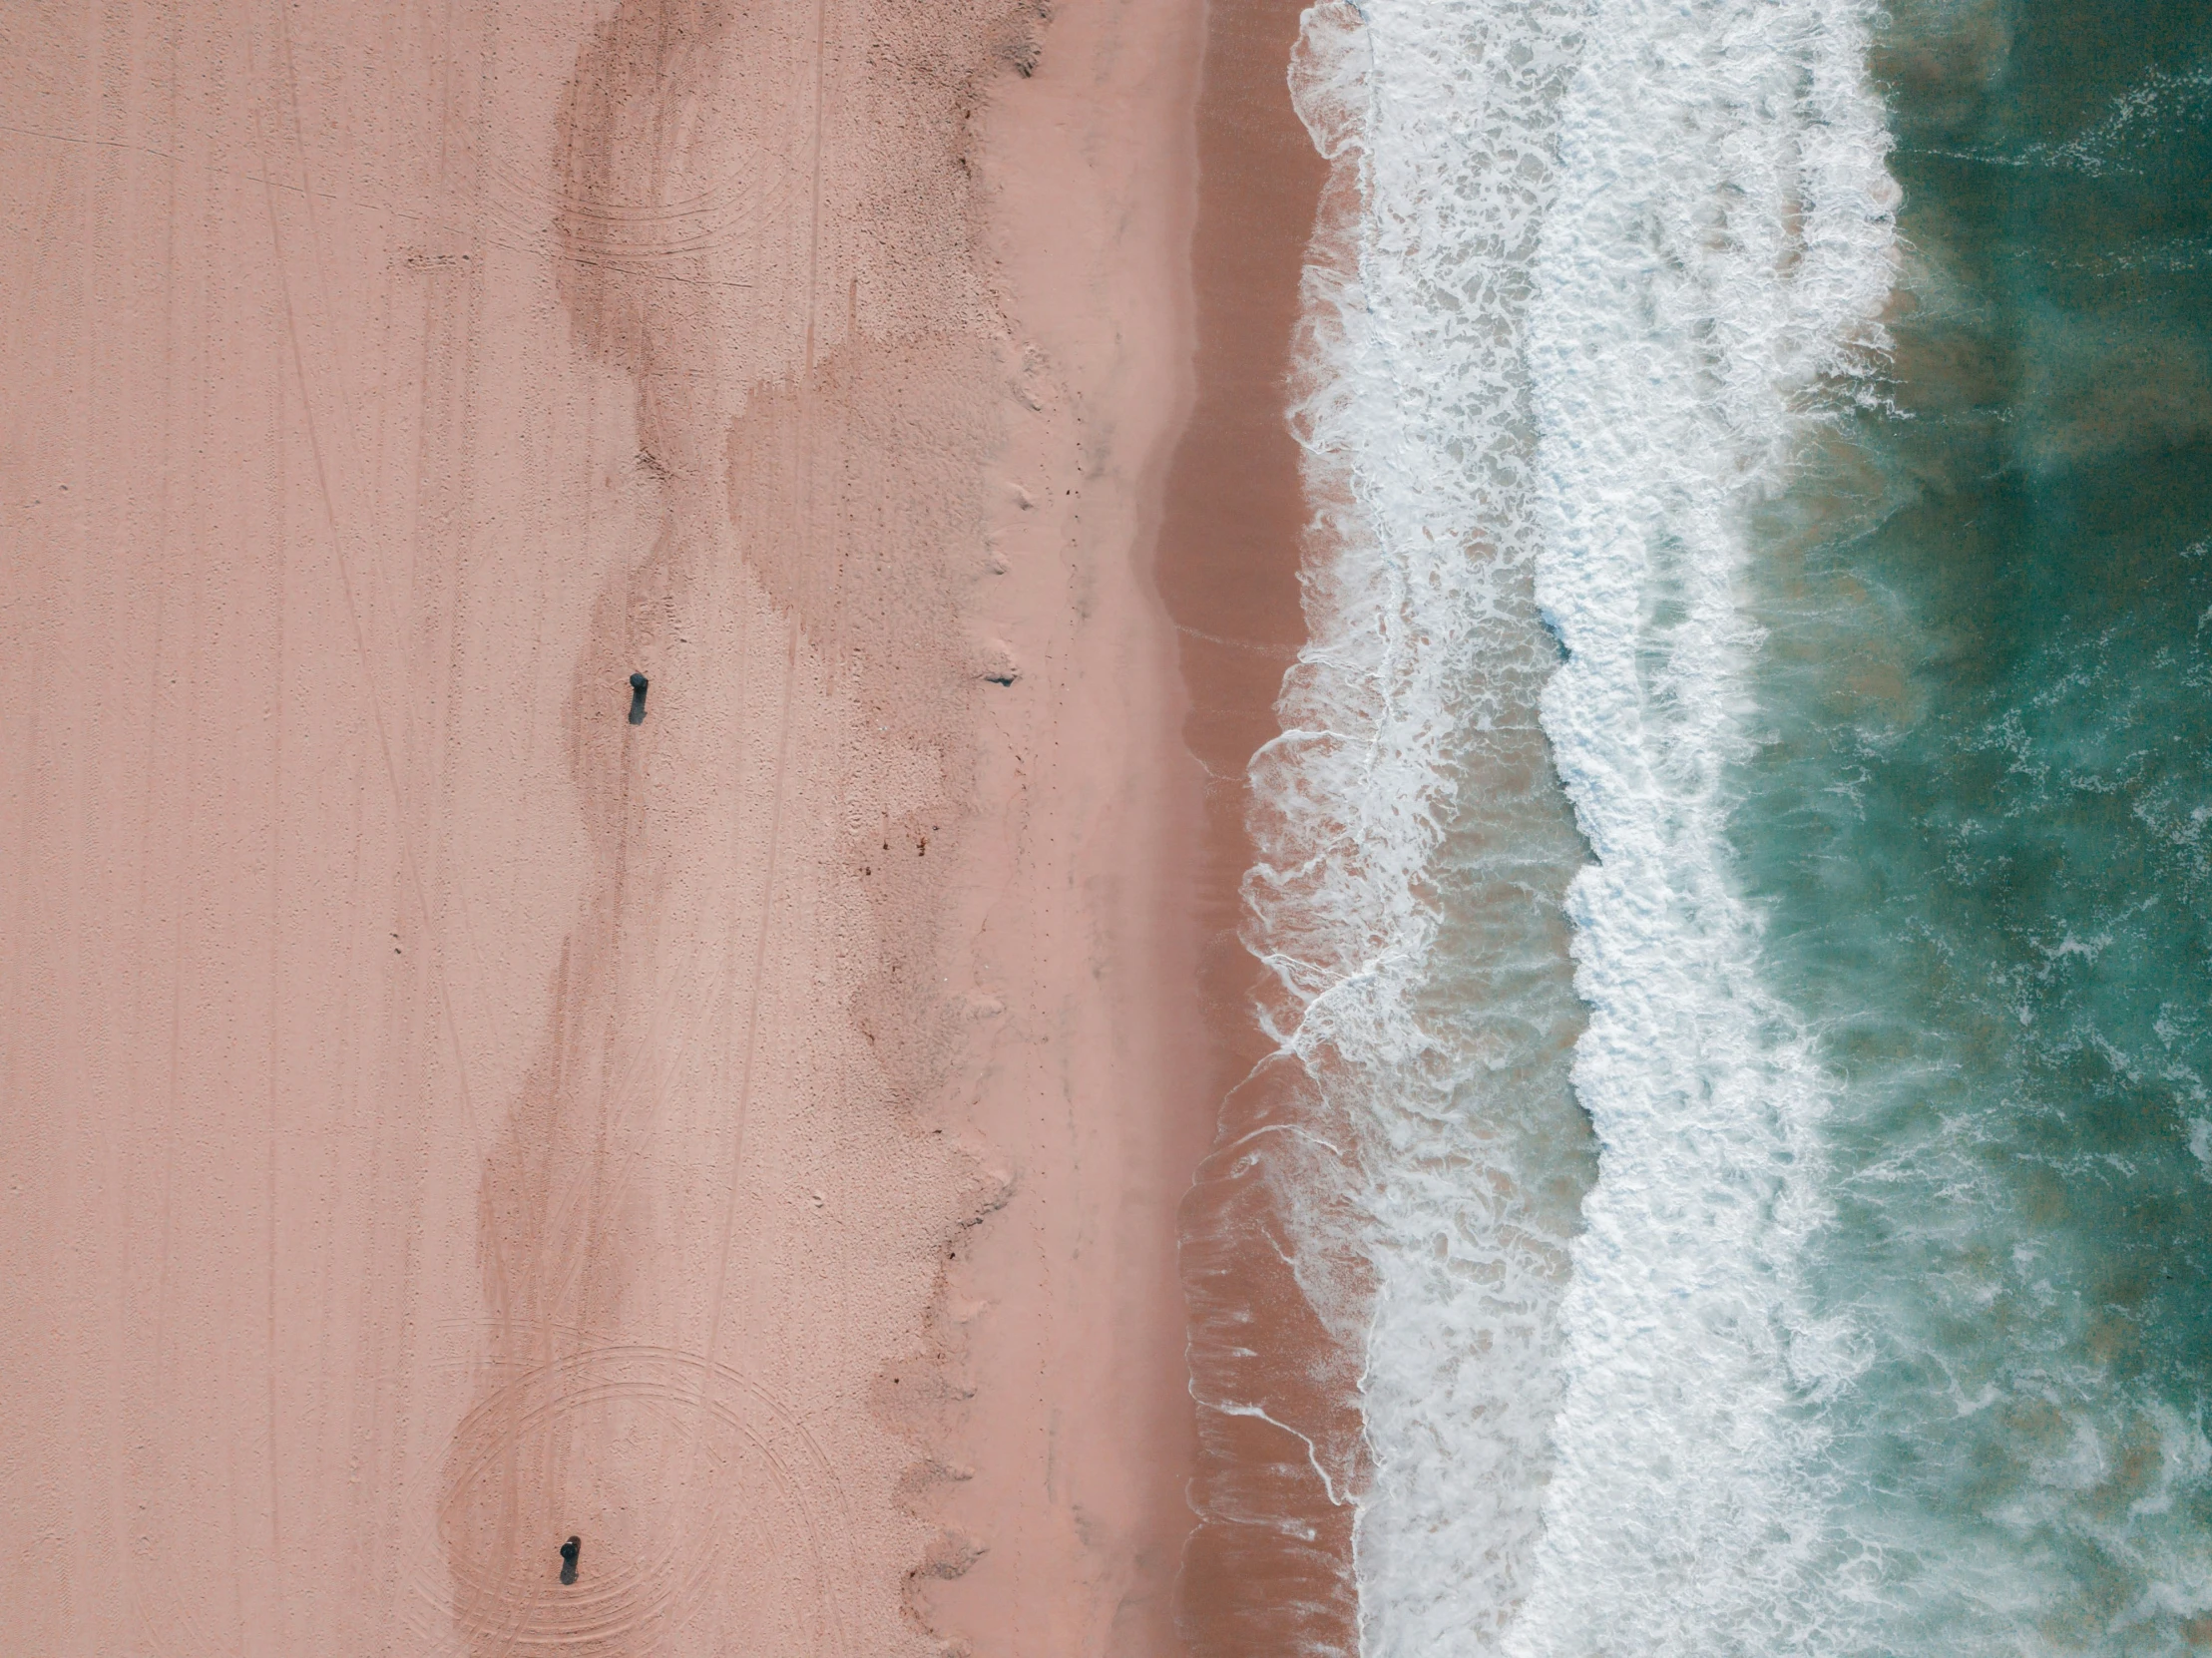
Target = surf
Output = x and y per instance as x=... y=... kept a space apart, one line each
x=1603 y=268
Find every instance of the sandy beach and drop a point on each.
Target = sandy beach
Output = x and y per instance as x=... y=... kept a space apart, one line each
x=1104 y=829
x=448 y=1119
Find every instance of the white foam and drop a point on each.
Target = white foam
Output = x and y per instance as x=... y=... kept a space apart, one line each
x=1407 y=896
x=1610 y=254
x=1720 y=247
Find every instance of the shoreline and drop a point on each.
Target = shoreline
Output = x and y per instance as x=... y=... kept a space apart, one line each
x=1268 y=1569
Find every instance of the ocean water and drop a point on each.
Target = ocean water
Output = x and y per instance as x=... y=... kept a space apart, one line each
x=1737 y=866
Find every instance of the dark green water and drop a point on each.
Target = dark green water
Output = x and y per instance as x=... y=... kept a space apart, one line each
x=1981 y=829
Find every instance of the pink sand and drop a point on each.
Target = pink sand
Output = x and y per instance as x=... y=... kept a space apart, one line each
x=442 y=1119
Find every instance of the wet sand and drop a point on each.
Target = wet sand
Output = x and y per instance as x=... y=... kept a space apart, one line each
x=445 y=1118
x=1268 y=1571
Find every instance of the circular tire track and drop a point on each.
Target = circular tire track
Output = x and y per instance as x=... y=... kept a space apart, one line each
x=697 y=1495
x=673 y=207
x=581 y=225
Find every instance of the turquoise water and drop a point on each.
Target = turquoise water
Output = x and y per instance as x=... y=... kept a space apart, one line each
x=1978 y=828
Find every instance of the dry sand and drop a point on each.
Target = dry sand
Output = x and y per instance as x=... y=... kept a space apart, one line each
x=441 y=1117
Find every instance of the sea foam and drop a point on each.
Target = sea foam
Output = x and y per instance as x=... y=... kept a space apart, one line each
x=1721 y=245
x=1605 y=265
x=1415 y=848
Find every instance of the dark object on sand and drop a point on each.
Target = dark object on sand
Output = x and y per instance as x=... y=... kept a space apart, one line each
x=636 y=700
x=575 y=1545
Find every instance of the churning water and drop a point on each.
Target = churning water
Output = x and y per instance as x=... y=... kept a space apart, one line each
x=1772 y=438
